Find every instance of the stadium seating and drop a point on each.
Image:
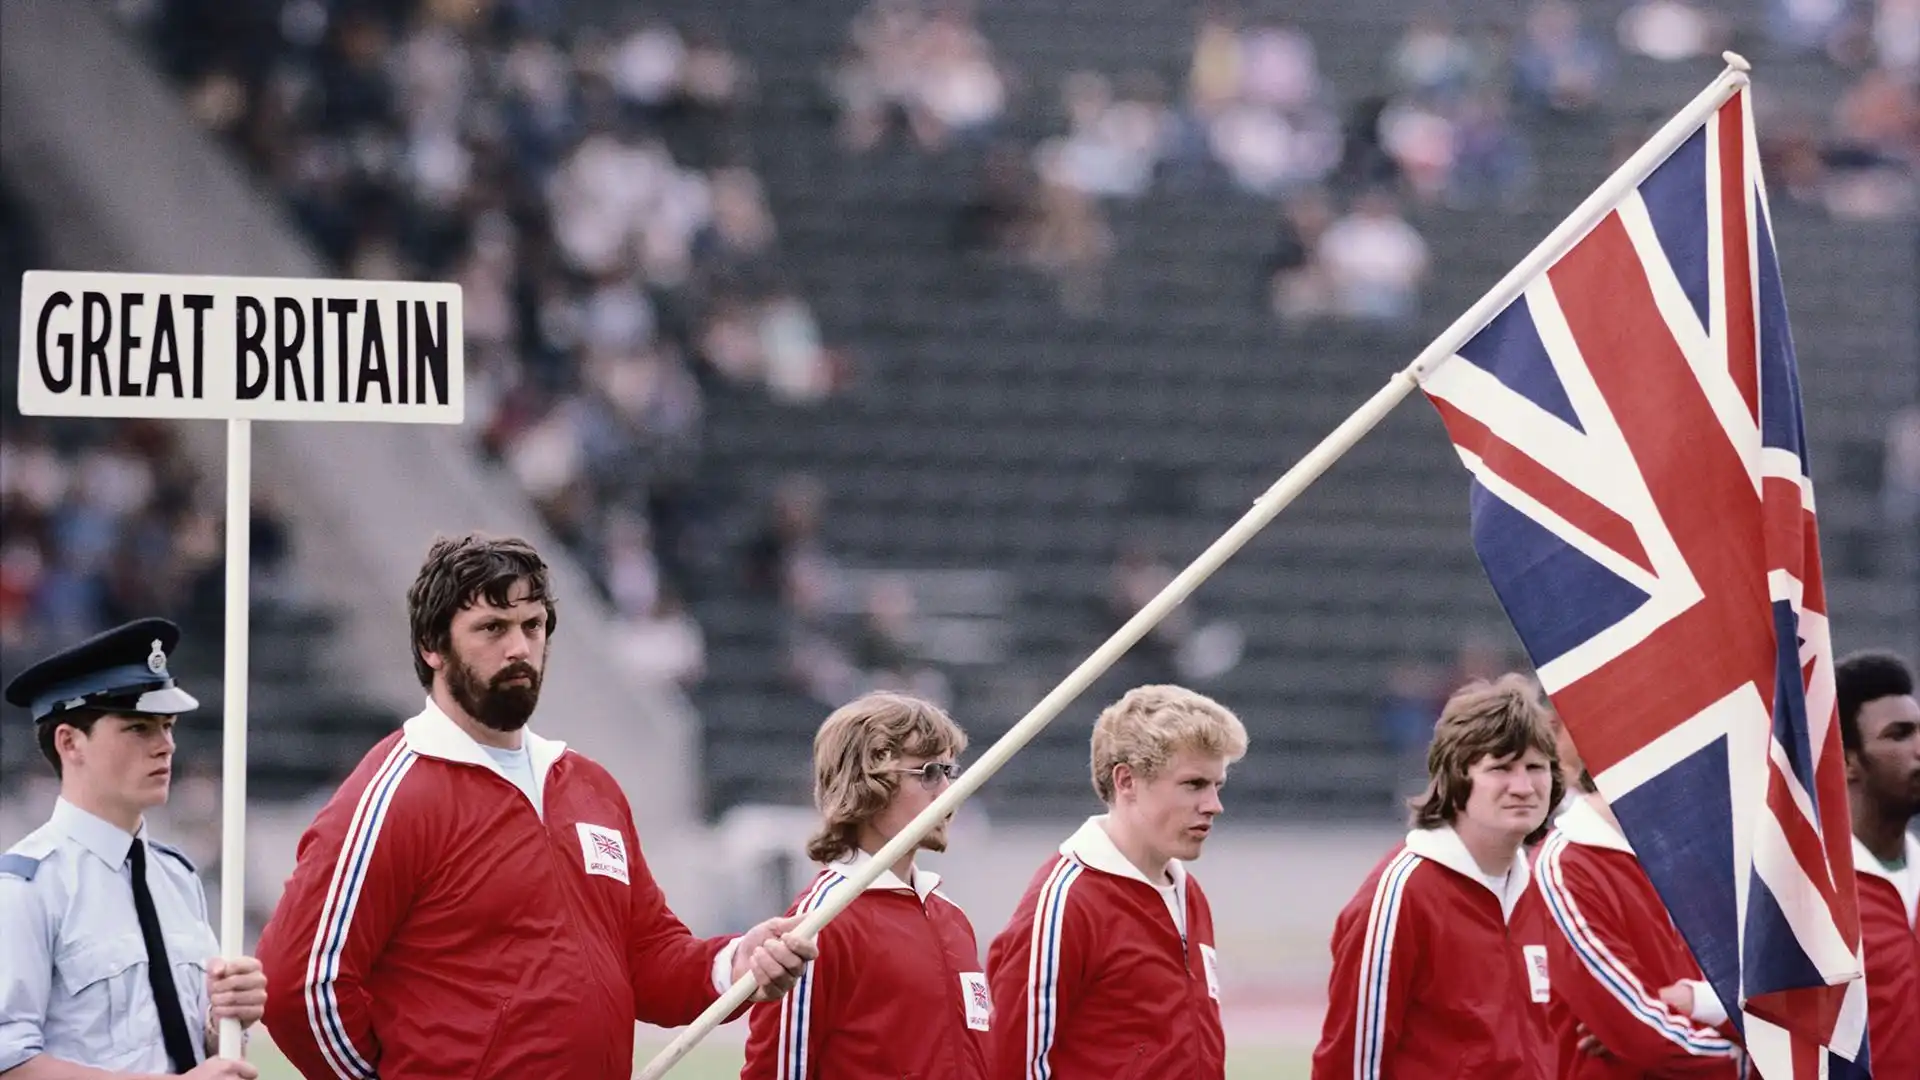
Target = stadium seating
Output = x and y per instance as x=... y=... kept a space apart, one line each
x=302 y=721
x=988 y=430
x=991 y=436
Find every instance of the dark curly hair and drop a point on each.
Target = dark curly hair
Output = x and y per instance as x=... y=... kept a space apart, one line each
x=460 y=571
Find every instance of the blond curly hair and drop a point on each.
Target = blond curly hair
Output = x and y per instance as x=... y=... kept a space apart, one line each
x=1149 y=725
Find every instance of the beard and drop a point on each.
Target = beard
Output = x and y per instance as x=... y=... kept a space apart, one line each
x=936 y=838
x=492 y=702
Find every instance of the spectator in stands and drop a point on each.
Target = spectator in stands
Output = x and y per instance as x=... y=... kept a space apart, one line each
x=1111 y=147
x=1808 y=25
x=92 y=532
x=1558 y=64
x=889 y=646
x=663 y=644
x=1214 y=73
x=785 y=559
x=1070 y=240
x=1376 y=261
x=933 y=76
x=1414 y=695
x=1431 y=60
x=997 y=217
x=1900 y=491
x=959 y=92
x=1896 y=38
x=1297 y=287
x=1260 y=104
x=1492 y=166
x=1671 y=30
x=1874 y=152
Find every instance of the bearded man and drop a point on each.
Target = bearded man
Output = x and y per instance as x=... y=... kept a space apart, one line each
x=472 y=901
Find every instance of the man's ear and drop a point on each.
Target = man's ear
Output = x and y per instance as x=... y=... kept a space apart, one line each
x=70 y=742
x=1124 y=781
x=1855 y=771
x=436 y=661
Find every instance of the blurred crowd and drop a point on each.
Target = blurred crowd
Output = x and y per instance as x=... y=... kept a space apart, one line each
x=1443 y=123
x=594 y=192
x=591 y=192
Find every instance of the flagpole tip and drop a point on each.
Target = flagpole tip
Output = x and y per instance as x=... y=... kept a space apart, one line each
x=1737 y=62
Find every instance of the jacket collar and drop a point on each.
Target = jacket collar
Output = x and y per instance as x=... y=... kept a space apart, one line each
x=434 y=734
x=924 y=881
x=1583 y=824
x=1091 y=844
x=1863 y=860
x=107 y=841
x=1444 y=846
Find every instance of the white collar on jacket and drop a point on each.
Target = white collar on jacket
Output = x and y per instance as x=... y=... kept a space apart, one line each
x=1583 y=824
x=1091 y=845
x=1865 y=861
x=924 y=881
x=1444 y=846
x=434 y=734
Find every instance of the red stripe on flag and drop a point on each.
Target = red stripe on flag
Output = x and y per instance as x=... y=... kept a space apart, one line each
x=1578 y=508
x=1743 y=360
x=1705 y=494
x=1836 y=829
x=1785 y=519
x=1802 y=839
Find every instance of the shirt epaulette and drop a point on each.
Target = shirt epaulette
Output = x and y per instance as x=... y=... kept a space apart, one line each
x=20 y=866
x=168 y=849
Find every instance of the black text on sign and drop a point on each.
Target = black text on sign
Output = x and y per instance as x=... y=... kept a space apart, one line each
x=263 y=348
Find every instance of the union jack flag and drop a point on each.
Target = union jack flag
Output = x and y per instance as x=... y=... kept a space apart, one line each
x=1641 y=502
x=609 y=846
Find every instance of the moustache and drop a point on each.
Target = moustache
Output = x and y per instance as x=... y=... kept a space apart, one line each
x=517 y=671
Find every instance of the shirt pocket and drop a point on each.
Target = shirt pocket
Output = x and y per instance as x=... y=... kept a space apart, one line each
x=189 y=950
x=97 y=977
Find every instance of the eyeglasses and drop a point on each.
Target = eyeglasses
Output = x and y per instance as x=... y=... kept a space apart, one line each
x=932 y=772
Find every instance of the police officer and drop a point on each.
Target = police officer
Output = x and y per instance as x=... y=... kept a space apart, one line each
x=107 y=964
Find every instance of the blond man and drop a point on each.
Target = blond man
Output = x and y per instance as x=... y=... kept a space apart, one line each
x=897 y=988
x=1440 y=958
x=1107 y=969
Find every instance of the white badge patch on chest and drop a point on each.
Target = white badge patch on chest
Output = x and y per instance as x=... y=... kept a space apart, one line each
x=604 y=850
x=1537 y=972
x=974 y=995
x=1211 y=961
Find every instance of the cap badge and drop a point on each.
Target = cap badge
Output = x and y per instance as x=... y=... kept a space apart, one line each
x=157 y=659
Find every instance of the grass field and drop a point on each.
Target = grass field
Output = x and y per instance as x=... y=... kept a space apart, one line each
x=722 y=1062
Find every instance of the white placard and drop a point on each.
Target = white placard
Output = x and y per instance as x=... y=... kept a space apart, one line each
x=240 y=348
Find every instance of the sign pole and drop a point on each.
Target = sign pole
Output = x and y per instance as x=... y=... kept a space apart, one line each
x=233 y=769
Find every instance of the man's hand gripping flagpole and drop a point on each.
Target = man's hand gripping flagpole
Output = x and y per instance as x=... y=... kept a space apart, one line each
x=1268 y=506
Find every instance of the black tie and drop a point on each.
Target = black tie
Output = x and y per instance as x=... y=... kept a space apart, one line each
x=173 y=1024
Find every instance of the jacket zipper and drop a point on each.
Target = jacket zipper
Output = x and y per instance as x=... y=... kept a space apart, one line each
x=953 y=977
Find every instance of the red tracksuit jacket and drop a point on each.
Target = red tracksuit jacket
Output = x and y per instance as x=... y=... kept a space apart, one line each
x=897 y=991
x=1615 y=950
x=436 y=925
x=1435 y=976
x=1891 y=941
x=1095 y=982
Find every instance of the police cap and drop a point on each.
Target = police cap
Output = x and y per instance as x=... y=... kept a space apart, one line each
x=122 y=670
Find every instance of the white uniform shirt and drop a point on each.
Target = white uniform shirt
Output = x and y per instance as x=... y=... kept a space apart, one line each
x=73 y=966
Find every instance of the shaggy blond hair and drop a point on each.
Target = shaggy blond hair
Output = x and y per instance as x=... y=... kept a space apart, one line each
x=1500 y=719
x=851 y=753
x=1148 y=726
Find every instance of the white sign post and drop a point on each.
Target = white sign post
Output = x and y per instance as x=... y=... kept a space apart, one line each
x=239 y=349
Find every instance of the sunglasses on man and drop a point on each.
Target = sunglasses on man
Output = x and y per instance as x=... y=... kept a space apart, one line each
x=932 y=772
